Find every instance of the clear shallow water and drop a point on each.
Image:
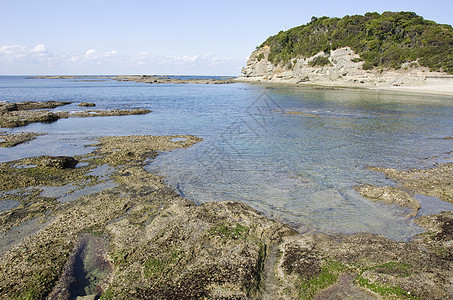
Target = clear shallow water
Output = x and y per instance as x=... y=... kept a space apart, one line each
x=297 y=168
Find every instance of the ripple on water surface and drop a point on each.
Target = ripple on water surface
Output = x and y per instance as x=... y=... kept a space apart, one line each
x=300 y=168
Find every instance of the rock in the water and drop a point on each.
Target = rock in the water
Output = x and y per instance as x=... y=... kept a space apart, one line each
x=390 y=195
x=87 y=104
x=59 y=162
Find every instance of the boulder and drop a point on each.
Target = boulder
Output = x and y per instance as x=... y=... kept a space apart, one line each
x=59 y=162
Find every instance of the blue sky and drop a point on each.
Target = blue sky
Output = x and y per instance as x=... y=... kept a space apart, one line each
x=161 y=37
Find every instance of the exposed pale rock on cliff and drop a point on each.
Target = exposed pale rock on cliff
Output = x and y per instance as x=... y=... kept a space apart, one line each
x=345 y=69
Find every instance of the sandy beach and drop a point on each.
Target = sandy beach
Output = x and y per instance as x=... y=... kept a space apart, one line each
x=446 y=89
x=438 y=88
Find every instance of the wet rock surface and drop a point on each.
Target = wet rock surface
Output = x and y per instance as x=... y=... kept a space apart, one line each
x=24 y=113
x=87 y=104
x=434 y=182
x=145 y=78
x=141 y=240
x=163 y=79
x=8 y=107
x=58 y=162
x=13 y=139
x=390 y=195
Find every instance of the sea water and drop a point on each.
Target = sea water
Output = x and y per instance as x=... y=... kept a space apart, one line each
x=300 y=168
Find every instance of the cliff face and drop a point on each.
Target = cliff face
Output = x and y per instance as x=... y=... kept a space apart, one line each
x=344 y=69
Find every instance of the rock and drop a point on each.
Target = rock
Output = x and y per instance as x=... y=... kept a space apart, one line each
x=6 y=107
x=390 y=195
x=47 y=117
x=17 y=114
x=434 y=182
x=87 y=104
x=163 y=79
x=14 y=139
x=40 y=105
x=293 y=112
x=162 y=246
x=345 y=70
x=59 y=162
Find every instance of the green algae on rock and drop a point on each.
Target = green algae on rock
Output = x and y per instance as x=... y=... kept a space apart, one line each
x=32 y=268
x=154 y=244
x=29 y=105
x=87 y=104
x=23 y=113
x=390 y=195
x=434 y=182
x=13 y=139
x=23 y=118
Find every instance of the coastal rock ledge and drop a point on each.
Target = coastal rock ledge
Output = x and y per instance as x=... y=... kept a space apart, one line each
x=138 y=239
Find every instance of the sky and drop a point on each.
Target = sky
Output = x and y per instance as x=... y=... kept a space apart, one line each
x=109 y=37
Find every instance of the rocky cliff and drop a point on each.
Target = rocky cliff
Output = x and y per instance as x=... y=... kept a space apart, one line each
x=344 y=69
x=373 y=50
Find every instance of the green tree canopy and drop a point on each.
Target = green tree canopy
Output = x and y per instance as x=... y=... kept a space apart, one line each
x=388 y=40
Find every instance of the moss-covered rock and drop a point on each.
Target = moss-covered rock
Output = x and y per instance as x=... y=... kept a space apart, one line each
x=153 y=244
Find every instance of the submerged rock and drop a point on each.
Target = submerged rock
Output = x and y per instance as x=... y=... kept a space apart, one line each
x=389 y=195
x=87 y=270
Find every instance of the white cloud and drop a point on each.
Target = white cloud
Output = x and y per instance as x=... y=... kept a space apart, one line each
x=90 y=53
x=185 y=59
x=18 y=53
x=39 y=48
x=111 y=53
x=92 y=56
x=113 y=62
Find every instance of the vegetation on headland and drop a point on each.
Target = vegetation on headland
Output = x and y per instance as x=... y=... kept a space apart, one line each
x=382 y=40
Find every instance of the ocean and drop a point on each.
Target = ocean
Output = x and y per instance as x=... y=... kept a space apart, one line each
x=294 y=154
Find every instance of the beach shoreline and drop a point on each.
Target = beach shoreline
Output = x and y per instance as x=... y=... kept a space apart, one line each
x=445 y=89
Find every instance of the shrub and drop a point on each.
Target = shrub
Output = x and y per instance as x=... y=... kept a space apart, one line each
x=260 y=56
x=388 y=40
x=319 y=61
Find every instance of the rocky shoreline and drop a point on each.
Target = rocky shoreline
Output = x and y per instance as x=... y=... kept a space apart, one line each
x=13 y=139
x=138 y=239
x=157 y=79
x=23 y=113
